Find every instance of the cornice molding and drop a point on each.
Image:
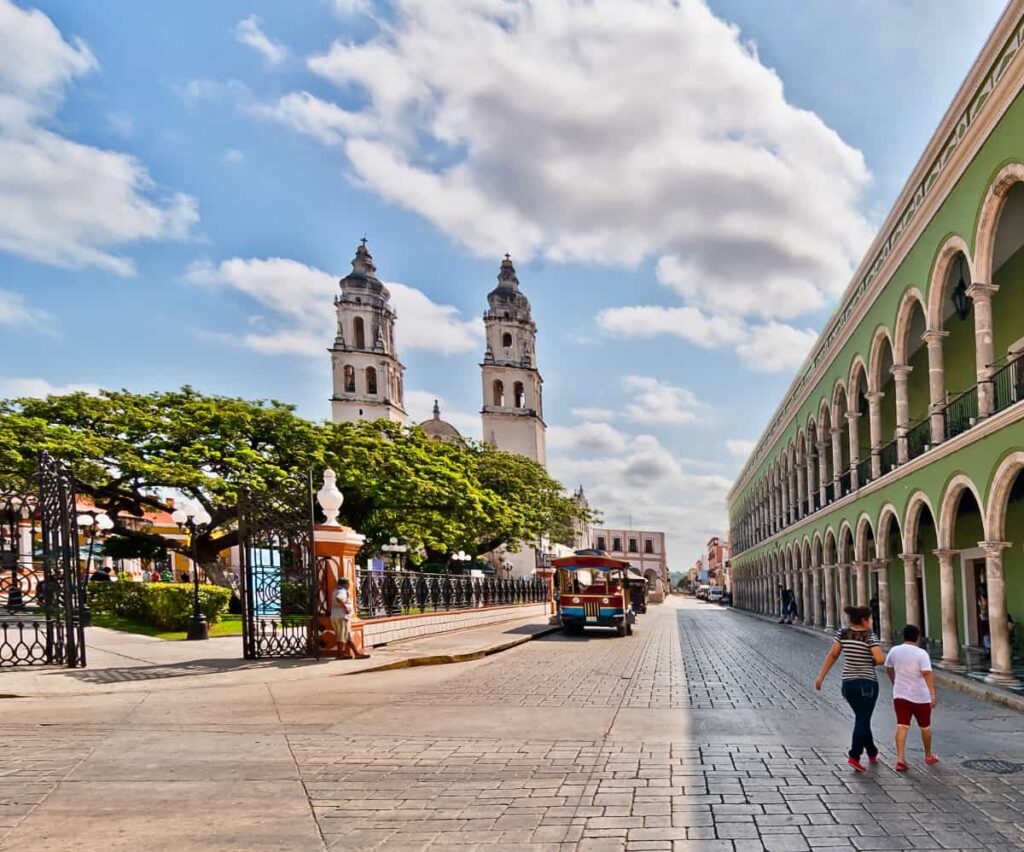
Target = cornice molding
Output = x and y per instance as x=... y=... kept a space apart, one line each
x=968 y=122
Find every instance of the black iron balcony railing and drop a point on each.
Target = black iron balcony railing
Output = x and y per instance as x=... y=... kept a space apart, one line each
x=919 y=437
x=389 y=592
x=888 y=456
x=830 y=492
x=1008 y=383
x=804 y=508
x=961 y=412
x=864 y=471
x=844 y=483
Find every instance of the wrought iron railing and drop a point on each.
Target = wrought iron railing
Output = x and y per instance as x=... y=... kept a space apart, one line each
x=961 y=413
x=888 y=457
x=1008 y=383
x=387 y=593
x=863 y=472
x=844 y=483
x=918 y=438
x=830 y=492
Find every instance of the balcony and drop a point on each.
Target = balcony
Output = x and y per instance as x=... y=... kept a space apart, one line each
x=888 y=456
x=864 y=472
x=919 y=438
x=1008 y=383
x=961 y=413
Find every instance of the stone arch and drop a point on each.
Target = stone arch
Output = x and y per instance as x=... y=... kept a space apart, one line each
x=910 y=302
x=999 y=493
x=988 y=218
x=359 y=333
x=829 y=551
x=864 y=543
x=371 y=381
x=876 y=381
x=845 y=539
x=886 y=518
x=857 y=382
x=912 y=519
x=805 y=552
x=944 y=259
x=817 y=549
x=947 y=512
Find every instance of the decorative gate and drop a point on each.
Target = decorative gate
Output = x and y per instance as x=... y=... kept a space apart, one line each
x=283 y=594
x=41 y=588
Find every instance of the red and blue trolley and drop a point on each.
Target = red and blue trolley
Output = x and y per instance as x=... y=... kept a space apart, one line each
x=593 y=591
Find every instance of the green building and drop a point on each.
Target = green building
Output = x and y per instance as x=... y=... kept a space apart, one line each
x=891 y=471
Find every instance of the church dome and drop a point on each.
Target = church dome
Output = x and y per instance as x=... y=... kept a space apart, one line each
x=440 y=430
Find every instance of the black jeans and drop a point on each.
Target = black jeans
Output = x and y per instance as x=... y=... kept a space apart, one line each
x=861 y=695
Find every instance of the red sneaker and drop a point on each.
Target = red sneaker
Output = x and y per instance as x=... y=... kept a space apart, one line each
x=931 y=760
x=856 y=764
x=873 y=759
x=901 y=767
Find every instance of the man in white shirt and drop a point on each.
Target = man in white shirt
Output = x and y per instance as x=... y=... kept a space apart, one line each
x=341 y=612
x=913 y=693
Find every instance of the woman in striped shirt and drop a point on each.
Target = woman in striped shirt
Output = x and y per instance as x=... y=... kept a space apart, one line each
x=861 y=653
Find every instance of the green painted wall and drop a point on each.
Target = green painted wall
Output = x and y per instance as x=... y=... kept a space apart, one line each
x=1008 y=304
x=957 y=215
x=917 y=385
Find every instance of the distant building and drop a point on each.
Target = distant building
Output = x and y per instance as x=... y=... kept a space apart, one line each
x=645 y=551
x=440 y=430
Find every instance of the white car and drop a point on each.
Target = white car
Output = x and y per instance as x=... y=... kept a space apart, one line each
x=715 y=594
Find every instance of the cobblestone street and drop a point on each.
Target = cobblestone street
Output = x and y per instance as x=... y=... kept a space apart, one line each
x=702 y=731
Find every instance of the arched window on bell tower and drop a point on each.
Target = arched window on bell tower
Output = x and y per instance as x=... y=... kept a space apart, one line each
x=371 y=381
x=360 y=333
x=520 y=395
x=350 y=379
x=506 y=344
x=499 y=392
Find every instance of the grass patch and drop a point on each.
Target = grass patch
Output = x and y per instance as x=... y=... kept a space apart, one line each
x=229 y=625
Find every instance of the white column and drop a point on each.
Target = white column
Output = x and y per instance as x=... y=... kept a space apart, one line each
x=936 y=384
x=912 y=597
x=805 y=577
x=875 y=427
x=816 y=595
x=844 y=591
x=822 y=470
x=884 y=628
x=812 y=479
x=984 y=351
x=861 y=572
x=901 y=375
x=947 y=591
x=853 y=417
x=837 y=456
x=830 y=598
x=1001 y=669
x=801 y=488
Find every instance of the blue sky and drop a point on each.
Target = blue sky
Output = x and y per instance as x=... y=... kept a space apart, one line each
x=684 y=189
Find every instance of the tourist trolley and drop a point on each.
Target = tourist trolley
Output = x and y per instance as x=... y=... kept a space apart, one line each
x=593 y=591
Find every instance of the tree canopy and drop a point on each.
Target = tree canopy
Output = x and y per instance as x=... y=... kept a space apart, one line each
x=134 y=453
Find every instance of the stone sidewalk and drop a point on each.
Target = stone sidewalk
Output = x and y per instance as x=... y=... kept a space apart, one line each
x=130 y=663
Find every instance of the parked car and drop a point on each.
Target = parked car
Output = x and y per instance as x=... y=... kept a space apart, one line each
x=702 y=592
x=715 y=594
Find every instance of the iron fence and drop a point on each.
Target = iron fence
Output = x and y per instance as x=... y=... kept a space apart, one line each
x=844 y=483
x=391 y=592
x=961 y=413
x=863 y=472
x=1008 y=383
x=918 y=438
x=888 y=457
x=830 y=492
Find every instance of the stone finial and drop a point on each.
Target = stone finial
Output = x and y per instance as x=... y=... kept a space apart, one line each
x=437 y=411
x=330 y=498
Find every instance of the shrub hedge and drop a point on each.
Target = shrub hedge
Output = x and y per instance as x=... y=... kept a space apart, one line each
x=164 y=605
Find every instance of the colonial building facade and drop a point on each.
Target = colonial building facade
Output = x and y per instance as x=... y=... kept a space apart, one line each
x=891 y=470
x=643 y=549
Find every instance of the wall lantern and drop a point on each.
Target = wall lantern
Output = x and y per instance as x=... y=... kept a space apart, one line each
x=961 y=301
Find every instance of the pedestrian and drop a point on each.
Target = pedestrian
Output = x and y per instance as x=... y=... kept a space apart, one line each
x=913 y=693
x=876 y=613
x=788 y=605
x=341 y=612
x=861 y=654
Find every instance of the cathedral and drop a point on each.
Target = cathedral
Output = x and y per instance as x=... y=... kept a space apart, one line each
x=368 y=376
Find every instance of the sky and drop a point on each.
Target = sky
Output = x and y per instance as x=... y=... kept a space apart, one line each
x=685 y=188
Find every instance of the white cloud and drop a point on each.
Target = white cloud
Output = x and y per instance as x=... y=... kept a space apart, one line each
x=232 y=156
x=64 y=203
x=302 y=318
x=248 y=32
x=40 y=388
x=740 y=448
x=192 y=92
x=587 y=437
x=348 y=8
x=655 y=402
x=17 y=314
x=420 y=406
x=612 y=131
x=770 y=347
x=594 y=413
x=122 y=124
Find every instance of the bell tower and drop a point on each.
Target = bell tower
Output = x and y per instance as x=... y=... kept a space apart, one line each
x=364 y=363
x=513 y=412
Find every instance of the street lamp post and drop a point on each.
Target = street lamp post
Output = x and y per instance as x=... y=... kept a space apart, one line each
x=506 y=566
x=463 y=559
x=94 y=523
x=397 y=549
x=191 y=516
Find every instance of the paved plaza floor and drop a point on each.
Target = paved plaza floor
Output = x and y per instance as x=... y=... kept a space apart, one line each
x=702 y=731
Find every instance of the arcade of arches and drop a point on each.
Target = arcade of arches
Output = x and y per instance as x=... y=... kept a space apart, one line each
x=892 y=472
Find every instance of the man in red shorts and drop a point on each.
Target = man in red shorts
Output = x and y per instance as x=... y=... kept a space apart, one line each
x=913 y=693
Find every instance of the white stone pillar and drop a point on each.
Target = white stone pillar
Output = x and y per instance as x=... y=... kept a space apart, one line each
x=805 y=577
x=816 y=595
x=901 y=375
x=947 y=591
x=822 y=471
x=801 y=489
x=812 y=480
x=844 y=592
x=1001 y=669
x=837 y=457
x=912 y=596
x=884 y=627
x=984 y=351
x=853 y=418
x=830 y=597
x=936 y=384
x=875 y=426
x=861 y=573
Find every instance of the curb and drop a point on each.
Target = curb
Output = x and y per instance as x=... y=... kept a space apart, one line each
x=984 y=692
x=445 y=659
